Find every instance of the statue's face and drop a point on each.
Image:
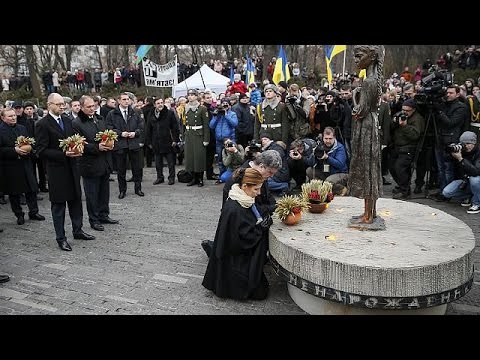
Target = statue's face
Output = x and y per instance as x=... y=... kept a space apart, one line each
x=362 y=58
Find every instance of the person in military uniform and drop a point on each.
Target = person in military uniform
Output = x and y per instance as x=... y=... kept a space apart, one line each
x=272 y=117
x=197 y=137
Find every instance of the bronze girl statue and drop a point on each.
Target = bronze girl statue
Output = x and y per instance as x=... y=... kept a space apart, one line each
x=365 y=178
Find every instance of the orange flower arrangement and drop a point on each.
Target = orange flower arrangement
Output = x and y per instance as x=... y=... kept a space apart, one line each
x=25 y=143
x=74 y=143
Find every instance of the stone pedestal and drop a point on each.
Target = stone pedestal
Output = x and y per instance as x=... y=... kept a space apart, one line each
x=422 y=261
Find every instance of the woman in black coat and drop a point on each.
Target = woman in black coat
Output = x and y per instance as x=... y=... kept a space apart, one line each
x=235 y=267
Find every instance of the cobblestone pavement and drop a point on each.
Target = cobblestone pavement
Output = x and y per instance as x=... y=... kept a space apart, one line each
x=151 y=263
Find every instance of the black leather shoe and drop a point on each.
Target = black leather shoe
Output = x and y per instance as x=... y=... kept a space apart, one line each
x=83 y=236
x=108 y=220
x=4 y=278
x=171 y=182
x=200 y=183
x=207 y=247
x=36 y=216
x=20 y=220
x=96 y=226
x=158 y=181
x=139 y=193
x=191 y=183
x=121 y=195
x=64 y=245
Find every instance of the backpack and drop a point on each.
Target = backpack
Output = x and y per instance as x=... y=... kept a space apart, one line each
x=184 y=176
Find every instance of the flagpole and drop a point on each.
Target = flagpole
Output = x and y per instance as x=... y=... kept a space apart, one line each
x=344 y=57
x=200 y=70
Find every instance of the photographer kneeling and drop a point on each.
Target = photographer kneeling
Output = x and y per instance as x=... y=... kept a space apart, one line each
x=233 y=156
x=329 y=162
x=467 y=156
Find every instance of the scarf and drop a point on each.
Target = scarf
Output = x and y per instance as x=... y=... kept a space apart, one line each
x=239 y=195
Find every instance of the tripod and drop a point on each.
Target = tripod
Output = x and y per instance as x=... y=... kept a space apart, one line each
x=428 y=148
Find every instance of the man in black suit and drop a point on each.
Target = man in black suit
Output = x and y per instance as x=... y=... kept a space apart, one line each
x=18 y=177
x=129 y=127
x=63 y=175
x=95 y=164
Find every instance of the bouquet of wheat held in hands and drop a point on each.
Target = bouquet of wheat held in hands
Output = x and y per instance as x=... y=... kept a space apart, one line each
x=25 y=143
x=107 y=137
x=74 y=143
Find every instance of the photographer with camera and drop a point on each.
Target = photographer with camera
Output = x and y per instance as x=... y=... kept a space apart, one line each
x=407 y=127
x=329 y=162
x=298 y=108
x=300 y=151
x=233 y=156
x=224 y=123
x=466 y=155
x=449 y=118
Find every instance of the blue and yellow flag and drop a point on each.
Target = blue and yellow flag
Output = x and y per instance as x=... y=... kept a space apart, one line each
x=141 y=52
x=281 y=72
x=330 y=52
x=231 y=73
x=250 y=78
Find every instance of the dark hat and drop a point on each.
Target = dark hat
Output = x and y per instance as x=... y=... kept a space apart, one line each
x=29 y=103
x=242 y=96
x=265 y=134
x=283 y=84
x=410 y=103
x=17 y=104
x=330 y=92
x=468 y=137
x=192 y=92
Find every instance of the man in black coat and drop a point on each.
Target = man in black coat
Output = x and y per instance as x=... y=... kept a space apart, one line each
x=95 y=165
x=129 y=127
x=161 y=134
x=62 y=169
x=18 y=176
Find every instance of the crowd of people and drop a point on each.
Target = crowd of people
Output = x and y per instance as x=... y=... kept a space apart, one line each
x=260 y=136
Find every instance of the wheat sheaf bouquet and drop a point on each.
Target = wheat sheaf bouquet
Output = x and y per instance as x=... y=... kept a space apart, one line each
x=25 y=143
x=290 y=205
x=75 y=143
x=106 y=137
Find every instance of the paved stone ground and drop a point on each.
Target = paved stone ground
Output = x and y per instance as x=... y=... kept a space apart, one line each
x=151 y=263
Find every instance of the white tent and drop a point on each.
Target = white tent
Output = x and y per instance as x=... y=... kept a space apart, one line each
x=211 y=79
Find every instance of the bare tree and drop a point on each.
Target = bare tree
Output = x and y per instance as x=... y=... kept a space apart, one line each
x=32 y=69
x=12 y=56
x=99 y=55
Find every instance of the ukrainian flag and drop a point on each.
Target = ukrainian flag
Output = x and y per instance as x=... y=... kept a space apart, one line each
x=281 y=72
x=250 y=78
x=330 y=52
x=141 y=52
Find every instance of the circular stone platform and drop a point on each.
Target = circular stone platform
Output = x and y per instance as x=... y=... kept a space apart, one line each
x=422 y=261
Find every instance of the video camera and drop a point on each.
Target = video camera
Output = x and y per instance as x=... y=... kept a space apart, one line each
x=434 y=87
x=254 y=146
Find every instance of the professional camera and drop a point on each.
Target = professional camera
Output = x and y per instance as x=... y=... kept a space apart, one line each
x=254 y=146
x=230 y=144
x=292 y=99
x=401 y=115
x=319 y=150
x=454 y=148
x=434 y=87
